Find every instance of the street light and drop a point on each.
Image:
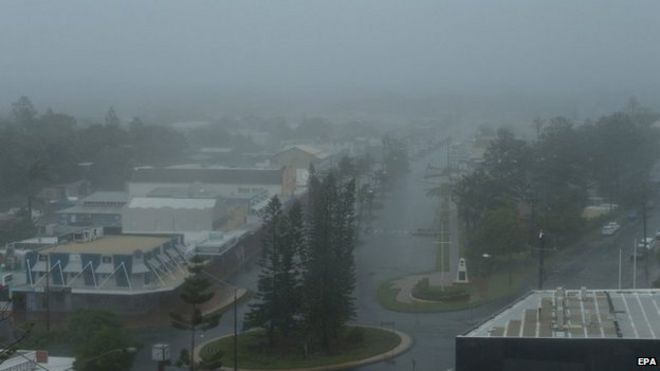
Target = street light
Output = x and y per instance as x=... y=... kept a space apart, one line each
x=235 y=315
x=127 y=350
x=541 y=251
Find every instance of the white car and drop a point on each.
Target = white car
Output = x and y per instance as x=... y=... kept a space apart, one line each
x=610 y=228
x=650 y=243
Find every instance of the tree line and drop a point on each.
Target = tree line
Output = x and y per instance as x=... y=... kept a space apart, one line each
x=305 y=288
x=553 y=176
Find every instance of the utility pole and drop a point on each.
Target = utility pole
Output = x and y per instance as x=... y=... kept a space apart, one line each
x=646 y=247
x=235 y=333
x=541 y=252
x=635 y=264
x=620 y=255
x=47 y=293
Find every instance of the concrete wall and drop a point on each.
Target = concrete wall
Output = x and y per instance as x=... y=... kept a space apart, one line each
x=551 y=354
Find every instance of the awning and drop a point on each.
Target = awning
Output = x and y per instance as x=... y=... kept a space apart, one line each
x=139 y=268
x=105 y=268
x=40 y=267
x=73 y=267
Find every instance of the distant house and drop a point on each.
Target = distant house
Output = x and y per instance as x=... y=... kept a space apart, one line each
x=99 y=208
x=221 y=181
x=64 y=191
x=300 y=156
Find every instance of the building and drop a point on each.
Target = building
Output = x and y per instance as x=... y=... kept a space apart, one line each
x=171 y=215
x=300 y=156
x=34 y=360
x=574 y=330
x=124 y=273
x=99 y=208
x=64 y=191
x=221 y=181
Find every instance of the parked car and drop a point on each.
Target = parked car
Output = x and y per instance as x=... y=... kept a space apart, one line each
x=610 y=228
x=641 y=251
x=650 y=243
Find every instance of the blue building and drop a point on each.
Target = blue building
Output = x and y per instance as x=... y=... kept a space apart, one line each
x=124 y=273
x=99 y=209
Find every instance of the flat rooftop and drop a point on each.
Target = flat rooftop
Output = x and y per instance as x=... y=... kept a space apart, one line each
x=627 y=314
x=121 y=244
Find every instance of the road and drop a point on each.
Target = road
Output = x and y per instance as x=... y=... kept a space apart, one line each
x=383 y=255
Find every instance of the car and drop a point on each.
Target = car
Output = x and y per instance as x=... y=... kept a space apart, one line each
x=650 y=243
x=610 y=229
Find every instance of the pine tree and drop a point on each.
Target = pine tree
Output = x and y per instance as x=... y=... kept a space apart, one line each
x=288 y=282
x=264 y=312
x=329 y=277
x=346 y=237
x=195 y=292
x=111 y=118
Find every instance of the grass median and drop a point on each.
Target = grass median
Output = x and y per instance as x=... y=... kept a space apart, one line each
x=253 y=354
x=482 y=291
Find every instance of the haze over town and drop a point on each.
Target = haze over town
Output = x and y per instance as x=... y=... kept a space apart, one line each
x=329 y=185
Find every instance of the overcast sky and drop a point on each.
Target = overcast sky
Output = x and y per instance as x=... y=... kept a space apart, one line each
x=61 y=51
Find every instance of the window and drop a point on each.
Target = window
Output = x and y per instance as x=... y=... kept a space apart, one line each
x=106 y=259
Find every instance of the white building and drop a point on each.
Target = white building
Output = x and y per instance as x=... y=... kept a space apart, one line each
x=170 y=215
x=221 y=181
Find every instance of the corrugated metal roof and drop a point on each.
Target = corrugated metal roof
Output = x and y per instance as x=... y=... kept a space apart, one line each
x=107 y=196
x=628 y=314
x=208 y=175
x=173 y=203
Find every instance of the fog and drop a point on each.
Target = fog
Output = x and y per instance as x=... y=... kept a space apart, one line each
x=296 y=57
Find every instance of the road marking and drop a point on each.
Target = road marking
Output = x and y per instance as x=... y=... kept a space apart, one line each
x=632 y=323
x=646 y=318
x=600 y=321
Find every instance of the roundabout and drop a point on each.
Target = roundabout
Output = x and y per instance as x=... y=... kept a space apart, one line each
x=374 y=344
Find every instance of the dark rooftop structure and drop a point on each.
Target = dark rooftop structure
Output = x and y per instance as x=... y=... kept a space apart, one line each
x=567 y=330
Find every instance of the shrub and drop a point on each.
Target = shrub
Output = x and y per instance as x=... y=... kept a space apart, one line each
x=423 y=290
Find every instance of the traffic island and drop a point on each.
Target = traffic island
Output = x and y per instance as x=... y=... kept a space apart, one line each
x=398 y=294
x=363 y=345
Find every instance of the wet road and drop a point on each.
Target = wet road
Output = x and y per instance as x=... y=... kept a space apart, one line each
x=388 y=253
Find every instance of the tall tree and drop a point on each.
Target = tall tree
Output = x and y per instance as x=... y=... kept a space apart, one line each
x=328 y=278
x=265 y=312
x=100 y=342
x=23 y=111
x=499 y=235
x=111 y=118
x=195 y=292
x=36 y=174
x=278 y=296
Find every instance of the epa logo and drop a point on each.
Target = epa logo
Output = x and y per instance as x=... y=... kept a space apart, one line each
x=646 y=361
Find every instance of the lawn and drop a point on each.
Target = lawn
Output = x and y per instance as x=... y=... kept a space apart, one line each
x=251 y=355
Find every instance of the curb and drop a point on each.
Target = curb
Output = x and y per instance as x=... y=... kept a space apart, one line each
x=405 y=344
